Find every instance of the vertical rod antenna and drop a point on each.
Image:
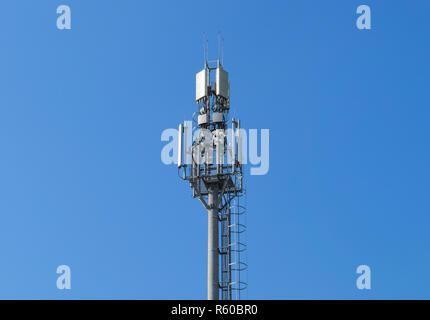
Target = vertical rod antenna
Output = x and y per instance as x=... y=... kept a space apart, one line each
x=180 y=145
x=222 y=51
x=219 y=47
x=204 y=50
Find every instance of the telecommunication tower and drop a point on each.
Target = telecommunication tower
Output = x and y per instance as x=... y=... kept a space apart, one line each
x=210 y=158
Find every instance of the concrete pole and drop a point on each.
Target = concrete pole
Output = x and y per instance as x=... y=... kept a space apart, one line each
x=213 y=260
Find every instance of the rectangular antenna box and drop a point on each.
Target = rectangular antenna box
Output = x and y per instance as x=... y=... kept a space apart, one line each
x=202 y=79
x=222 y=85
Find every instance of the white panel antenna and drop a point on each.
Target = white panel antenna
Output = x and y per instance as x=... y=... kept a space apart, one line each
x=222 y=85
x=201 y=84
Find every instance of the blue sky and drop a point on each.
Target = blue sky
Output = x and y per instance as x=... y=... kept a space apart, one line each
x=81 y=115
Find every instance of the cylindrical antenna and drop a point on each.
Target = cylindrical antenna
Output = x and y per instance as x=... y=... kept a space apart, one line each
x=219 y=47
x=204 y=50
x=239 y=143
x=222 y=51
x=180 y=146
x=207 y=50
x=233 y=144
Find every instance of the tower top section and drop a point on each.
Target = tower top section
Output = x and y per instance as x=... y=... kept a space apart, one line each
x=205 y=86
x=210 y=159
x=213 y=81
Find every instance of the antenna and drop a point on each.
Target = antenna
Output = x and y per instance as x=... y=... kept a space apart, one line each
x=204 y=50
x=219 y=48
x=180 y=146
x=207 y=50
x=222 y=51
x=219 y=186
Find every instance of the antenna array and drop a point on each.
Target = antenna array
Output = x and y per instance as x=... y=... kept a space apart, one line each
x=213 y=167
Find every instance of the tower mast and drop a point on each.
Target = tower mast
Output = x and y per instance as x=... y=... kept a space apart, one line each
x=212 y=165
